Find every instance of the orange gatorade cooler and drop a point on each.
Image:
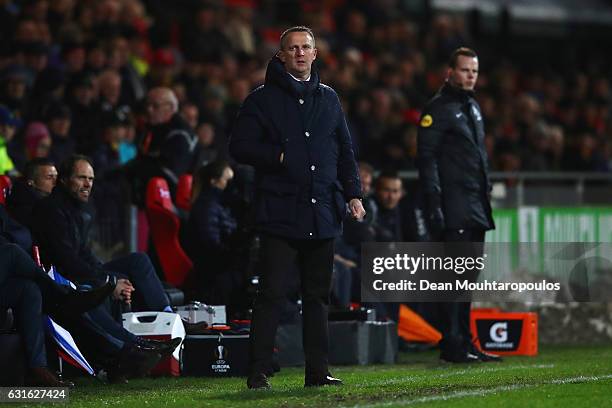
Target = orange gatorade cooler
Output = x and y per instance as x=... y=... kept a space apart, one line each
x=505 y=333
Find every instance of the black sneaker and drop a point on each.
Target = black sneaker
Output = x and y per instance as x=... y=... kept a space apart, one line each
x=258 y=381
x=321 y=381
x=466 y=357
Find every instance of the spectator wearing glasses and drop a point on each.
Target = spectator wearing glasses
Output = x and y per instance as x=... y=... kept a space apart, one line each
x=167 y=148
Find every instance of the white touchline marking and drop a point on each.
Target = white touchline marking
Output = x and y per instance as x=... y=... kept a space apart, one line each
x=461 y=372
x=494 y=369
x=486 y=391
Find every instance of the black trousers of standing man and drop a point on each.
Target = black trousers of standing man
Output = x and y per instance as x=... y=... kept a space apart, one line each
x=314 y=260
x=455 y=316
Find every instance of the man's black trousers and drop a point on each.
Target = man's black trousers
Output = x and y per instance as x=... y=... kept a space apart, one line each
x=314 y=259
x=455 y=316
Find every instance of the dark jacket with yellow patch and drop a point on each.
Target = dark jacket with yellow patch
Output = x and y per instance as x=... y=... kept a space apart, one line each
x=305 y=196
x=452 y=159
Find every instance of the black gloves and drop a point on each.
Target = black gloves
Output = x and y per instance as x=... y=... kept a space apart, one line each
x=435 y=217
x=436 y=223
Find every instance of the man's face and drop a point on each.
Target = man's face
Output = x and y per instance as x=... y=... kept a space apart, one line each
x=45 y=178
x=389 y=192
x=7 y=132
x=159 y=108
x=110 y=88
x=366 y=181
x=84 y=94
x=16 y=88
x=465 y=73
x=190 y=114
x=60 y=126
x=297 y=54
x=81 y=181
x=206 y=134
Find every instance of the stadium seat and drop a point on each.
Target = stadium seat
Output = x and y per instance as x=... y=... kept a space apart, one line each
x=183 y=192
x=164 y=225
x=5 y=188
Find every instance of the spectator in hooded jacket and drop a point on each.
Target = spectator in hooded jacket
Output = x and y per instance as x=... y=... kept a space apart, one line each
x=211 y=230
x=37 y=141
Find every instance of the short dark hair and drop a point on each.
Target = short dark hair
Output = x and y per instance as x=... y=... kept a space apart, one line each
x=367 y=167
x=462 y=51
x=388 y=174
x=67 y=167
x=296 y=29
x=31 y=167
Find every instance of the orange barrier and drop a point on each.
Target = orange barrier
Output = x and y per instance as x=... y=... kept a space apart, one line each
x=413 y=328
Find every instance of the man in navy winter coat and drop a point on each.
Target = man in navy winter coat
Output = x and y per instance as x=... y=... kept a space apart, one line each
x=293 y=131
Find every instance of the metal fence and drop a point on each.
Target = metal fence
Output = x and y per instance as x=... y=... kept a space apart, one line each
x=513 y=190
x=510 y=191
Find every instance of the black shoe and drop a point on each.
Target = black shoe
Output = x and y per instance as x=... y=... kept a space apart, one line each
x=77 y=302
x=466 y=357
x=165 y=348
x=321 y=381
x=258 y=381
x=133 y=361
x=43 y=377
x=485 y=357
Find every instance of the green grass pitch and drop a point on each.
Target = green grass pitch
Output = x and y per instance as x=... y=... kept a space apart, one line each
x=557 y=377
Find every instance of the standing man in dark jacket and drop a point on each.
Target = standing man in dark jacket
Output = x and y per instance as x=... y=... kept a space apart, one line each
x=453 y=171
x=293 y=131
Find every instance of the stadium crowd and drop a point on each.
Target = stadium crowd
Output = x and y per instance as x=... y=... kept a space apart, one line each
x=65 y=64
x=146 y=90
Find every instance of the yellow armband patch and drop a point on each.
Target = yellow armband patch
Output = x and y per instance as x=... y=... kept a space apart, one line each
x=426 y=121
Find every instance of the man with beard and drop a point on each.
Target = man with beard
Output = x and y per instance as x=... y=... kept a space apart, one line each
x=61 y=226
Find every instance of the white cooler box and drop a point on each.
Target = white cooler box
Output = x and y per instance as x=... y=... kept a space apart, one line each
x=196 y=312
x=158 y=326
